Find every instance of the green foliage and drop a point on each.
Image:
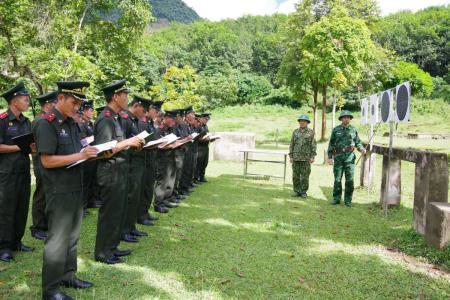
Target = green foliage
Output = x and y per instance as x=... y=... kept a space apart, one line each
x=441 y=88
x=178 y=89
x=174 y=10
x=420 y=37
x=421 y=82
x=282 y=96
x=218 y=90
x=252 y=88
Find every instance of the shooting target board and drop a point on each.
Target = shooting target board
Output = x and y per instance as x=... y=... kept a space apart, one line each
x=402 y=102
x=387 y=106
x=364 y=111
x=373 y=110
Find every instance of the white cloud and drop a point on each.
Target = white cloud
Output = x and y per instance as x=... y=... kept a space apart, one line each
x=216 y=10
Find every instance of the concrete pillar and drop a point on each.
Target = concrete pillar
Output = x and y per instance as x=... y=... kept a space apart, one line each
x=437 y=232
x=367 y=175
x=391 y=191
x=431 y=185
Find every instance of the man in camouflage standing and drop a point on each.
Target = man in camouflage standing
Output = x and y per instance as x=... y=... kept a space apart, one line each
x=344 y=139
x=302 y=151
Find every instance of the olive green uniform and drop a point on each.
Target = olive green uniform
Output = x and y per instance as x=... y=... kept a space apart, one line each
x=64 y=202
x=302 y=149
x=15 y=183
x=112 y=177
x=341 y=148
x=89 y=167
x=38 y=202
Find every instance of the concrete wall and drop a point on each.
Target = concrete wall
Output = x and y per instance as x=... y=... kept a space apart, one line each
x=228 y=146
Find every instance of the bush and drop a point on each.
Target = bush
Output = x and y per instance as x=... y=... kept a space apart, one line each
x=421 y=81
x=441 y=89
x=282 y=96
x=252 y=88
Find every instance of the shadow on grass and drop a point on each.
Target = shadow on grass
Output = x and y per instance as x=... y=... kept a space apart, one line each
x=235 y=238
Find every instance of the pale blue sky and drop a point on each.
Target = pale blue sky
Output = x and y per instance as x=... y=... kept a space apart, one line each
x=222 y=9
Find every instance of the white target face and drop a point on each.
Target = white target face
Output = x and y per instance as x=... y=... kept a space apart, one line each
x=373 y=110
x=387 y=110
x=364 y=111
x=402 y=102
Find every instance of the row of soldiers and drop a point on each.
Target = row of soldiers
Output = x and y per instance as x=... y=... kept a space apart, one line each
x=123 y=182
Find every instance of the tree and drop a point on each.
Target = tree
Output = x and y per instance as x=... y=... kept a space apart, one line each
x=335 y=49
x=421 y=81
x=307 y=13
x=178 y=88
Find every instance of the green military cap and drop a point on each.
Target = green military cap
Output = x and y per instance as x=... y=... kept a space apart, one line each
x=198 y=116
x=47 y=98
x=139 y=100
x=304 y=118
x=146 y=103
x=17 y=90
x=345 y=113
x=74 y=88
x=206 y=115
x=118 y=86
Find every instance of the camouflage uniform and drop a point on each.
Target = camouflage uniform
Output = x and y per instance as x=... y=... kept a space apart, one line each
x=302 y=149
x=342 y=144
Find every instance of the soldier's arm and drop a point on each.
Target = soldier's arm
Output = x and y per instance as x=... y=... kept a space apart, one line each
x=331 y=145
x=313 y=146
x=104 y=131
x=291 y=146
x=358 y=142
x=47 y=144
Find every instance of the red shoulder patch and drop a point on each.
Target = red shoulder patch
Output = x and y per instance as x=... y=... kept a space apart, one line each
x=143 y=119
x=107 y=114
x=50 y=117
x=124 y=115
x=3 y=115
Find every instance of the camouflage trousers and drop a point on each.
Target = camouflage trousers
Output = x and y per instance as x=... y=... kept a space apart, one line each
x=344 y=164
x=300 y=176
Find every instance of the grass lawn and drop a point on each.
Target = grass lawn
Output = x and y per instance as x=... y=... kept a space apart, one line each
x=249 y=239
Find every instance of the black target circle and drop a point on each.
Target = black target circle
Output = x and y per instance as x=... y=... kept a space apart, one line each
x=402 y=102
x=385 y=107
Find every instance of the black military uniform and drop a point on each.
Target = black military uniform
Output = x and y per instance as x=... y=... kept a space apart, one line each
x=203 y=152
x=185 y=184
x=15 y=179
x=165 y=172
x=90 y=167
x=181 y=131
x=112 y=180
x=148 y=187
x=135 y=179
x=56 y=134
x=40 y=223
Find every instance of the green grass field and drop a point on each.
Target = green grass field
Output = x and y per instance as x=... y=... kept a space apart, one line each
x=237 y=238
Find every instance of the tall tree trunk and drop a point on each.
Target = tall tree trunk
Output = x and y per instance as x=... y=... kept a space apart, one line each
x=315 y=90
x=324 y=112
x=333 y=120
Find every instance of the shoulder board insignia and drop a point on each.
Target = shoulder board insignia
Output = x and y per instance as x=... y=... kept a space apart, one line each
x=124 y=115
x=107 y=114
x=50 y=117
x=3 y=115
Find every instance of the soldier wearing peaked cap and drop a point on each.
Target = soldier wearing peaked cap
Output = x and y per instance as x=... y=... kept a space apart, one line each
x=302 y=152
x=15 y=177
x=136 y=173
x=111 y=126
x=165 y=167
x=343 y=142
x=187 y=174
x=203 y=150
x=148 y=189
x=181 y=131
x=40 y=226
x=58 y=145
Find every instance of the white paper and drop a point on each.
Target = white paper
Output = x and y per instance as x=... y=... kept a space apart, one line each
x=143 y=135
x=86 y=141
x=166 y=139
x=101 y=148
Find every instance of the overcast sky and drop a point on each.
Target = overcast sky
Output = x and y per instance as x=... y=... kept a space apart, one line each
x=215 y=10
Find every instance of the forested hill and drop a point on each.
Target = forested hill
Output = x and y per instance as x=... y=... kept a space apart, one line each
x=173 y=10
